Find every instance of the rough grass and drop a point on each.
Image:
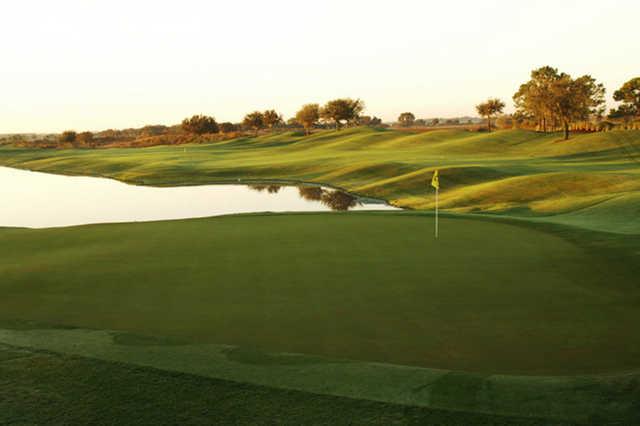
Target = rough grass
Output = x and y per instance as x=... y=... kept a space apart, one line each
x=499 y=172
x=41 y=387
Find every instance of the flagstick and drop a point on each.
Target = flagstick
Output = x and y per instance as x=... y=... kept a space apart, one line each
x=436 y=213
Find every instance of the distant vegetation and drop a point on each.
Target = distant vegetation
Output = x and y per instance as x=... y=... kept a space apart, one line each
x=550 y=101
x=559 y=99
x=308 y=116
x=406 y=119
x=490 y=108
x=200 y=124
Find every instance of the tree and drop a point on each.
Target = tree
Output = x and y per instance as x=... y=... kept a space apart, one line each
x=420 y=122
x=551 y=95
x=375 y=121
x=200 y=124
x=339 y=110
x=254 y=120
x=68 y=136
x=308 y=116
x=534 y=97
x=227 y=127
x=490 y=108
x=85 y=138
x=434 y=122
x=575 y=99
x=406 y=119
x=356 y=106
x=271 y=118
x=629 y=95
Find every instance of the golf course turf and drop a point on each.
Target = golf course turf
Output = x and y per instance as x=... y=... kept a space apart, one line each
x=41 y=387
x=505 y=172
x=485 y=297
x=532 y=283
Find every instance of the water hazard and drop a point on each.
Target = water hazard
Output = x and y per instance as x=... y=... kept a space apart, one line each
x=40 y=200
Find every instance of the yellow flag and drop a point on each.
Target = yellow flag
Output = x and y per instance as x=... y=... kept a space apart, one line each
x=435 y=182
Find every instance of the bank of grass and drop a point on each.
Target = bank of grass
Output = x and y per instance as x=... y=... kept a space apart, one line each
x=41 y=387
x=501 y=172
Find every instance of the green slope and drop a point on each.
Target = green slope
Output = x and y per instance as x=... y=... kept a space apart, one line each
x=40 y=387
x=544 y=283
x=511 y=172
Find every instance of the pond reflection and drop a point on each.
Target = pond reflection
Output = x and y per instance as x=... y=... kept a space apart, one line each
x=335 y=199
x=339 y=200
x=271 y=189
x=39 y=200
x=311 y=193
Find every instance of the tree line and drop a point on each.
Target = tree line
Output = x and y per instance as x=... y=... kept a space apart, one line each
x=549 y=101
x=338 y=112
x=553 y=100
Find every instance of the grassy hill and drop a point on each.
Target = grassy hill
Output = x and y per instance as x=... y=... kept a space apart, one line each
x=508 y=172
x=523 y=312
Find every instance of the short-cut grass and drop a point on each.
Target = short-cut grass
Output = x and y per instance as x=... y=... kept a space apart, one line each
x=486 y=297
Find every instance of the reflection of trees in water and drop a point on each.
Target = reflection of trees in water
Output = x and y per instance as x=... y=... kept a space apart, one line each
x=339 y=200
x=334 y=199
x=311 y=193
x=271 y=189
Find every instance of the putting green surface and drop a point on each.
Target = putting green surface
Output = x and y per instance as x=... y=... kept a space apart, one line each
x=487 y=297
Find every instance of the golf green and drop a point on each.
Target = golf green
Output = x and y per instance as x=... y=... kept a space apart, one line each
x=485 y=297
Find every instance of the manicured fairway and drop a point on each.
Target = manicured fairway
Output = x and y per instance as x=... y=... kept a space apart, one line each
x=487 y=297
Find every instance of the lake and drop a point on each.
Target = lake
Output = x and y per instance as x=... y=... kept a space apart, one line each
x=41 y=200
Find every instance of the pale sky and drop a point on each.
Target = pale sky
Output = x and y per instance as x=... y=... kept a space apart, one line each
x=98 y=64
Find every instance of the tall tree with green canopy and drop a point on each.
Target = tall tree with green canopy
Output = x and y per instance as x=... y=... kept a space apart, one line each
x=254 y=120
x=553 y=95
x=271 y=118
x=406 y=119
x=339 y=110
x=308 y=116
x=490 y=108
x=629 y=95
x=575 y=99
x=533 y=97
x=200 y=124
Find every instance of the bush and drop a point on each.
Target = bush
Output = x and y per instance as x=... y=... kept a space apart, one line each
x=200 y=124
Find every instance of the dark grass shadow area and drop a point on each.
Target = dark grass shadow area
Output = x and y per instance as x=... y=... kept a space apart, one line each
x=53 y=389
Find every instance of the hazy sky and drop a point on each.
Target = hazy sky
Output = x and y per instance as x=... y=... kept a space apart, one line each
x=91 y=65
